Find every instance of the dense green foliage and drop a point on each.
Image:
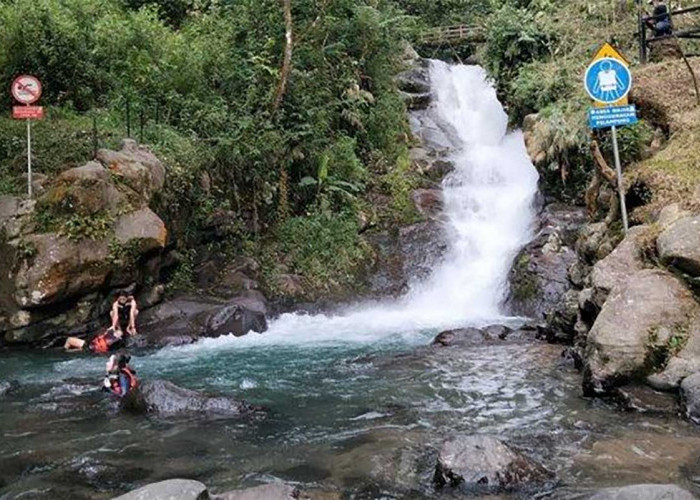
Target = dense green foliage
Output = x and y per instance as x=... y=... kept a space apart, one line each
x=210 y=71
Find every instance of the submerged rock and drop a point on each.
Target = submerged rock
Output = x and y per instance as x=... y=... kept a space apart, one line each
x=7 y=387
x=634 y=331
x=486 y=464
x=643 y=492
x=467 y=337
x=172 y=489
x=165 y=399
x=273 y=491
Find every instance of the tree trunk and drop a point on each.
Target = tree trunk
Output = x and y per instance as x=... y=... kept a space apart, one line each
x=287 y=61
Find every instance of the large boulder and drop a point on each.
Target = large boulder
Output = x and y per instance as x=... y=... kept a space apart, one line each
x=60 y=269
x=185 y=319
x=272 y=491
x=634 y=331
x=141 y=232
x=486 y=464
x=172 y=489
x=679 y=245
x=136 y=167
x=165 y=399
x=87 y=190
x=690 y=395
x=89 y=233
x=643 y=492
x=617 y=267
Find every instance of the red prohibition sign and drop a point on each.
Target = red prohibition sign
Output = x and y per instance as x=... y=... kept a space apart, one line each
x=26 y=89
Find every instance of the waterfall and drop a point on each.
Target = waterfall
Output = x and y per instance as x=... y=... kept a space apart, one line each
x=488 y=207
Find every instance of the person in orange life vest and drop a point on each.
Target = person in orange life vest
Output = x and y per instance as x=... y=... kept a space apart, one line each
x=120 y=378
x=124 y=312
x=101 y=344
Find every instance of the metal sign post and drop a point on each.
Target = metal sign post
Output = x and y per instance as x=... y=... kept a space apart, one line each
x=29 y=158
x=608 y=81
x=26 y=89
x=618 y=169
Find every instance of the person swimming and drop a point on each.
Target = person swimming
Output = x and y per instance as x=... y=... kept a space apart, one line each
x=102 y=343
x=120 y=378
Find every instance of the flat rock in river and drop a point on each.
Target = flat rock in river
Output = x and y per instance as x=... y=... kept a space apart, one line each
x=486 y=464
x=273 y=491
x=172 y=489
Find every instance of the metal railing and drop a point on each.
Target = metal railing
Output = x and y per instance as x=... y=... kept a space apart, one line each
x=450 y=34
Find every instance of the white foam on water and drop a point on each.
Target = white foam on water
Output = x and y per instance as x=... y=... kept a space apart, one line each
x=489 y=217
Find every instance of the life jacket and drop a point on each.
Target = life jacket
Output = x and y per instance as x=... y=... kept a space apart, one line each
x=103 y=342
x=116 y=387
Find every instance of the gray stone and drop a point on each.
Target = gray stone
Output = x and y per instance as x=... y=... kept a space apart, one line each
x=165 y=399
x=690 y=395
x=141 y=231
x=172 y=489
x=679 y=245
x=670 y=214
x=136 y=166
x=61 y=269
x=273 y=491
x=620 y=264
x=681 y=364
x=638 y=321
x=484 y=463
x=644 y=492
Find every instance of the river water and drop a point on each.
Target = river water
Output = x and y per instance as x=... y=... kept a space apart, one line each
x=357 y=404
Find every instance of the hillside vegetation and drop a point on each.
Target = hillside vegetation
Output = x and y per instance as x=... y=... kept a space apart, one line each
x=279 y=157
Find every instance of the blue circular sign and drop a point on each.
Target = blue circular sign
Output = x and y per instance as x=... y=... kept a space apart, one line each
x=608 y=80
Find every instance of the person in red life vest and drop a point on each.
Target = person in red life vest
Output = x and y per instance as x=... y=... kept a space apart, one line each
x=120 y=378
x=124 y=312
x=101 y=344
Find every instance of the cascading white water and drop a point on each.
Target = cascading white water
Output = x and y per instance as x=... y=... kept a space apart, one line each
x=489 y=216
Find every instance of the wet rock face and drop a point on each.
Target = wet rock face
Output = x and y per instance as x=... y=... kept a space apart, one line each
x=634 y=331
x=165 y=399
x=539 y=279
x=408 y=254
x=679 y=245
x=485 y=464
x=172 y=489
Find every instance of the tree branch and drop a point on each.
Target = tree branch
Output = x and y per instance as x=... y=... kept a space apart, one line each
x=287 y=61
